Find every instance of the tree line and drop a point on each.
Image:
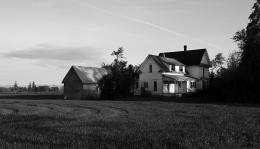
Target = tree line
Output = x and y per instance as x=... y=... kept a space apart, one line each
x=239 y=80
x=32 y=87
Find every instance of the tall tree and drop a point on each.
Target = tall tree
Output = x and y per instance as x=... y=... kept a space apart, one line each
x=218 y=65
x=30 y=87
x=248 y=40
x=233 y=61
x=121 y=79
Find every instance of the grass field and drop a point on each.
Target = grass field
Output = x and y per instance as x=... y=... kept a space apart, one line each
x=130 y=124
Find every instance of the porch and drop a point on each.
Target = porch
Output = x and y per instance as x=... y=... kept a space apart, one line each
x=176 y=84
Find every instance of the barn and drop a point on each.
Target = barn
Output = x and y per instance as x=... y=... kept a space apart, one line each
x=82 y=82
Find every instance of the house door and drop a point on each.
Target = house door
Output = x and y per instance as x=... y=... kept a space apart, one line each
x=171 y=88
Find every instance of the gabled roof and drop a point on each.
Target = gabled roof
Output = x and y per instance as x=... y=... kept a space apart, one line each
x=189 y=57
x=87 y=75
x=164 y=62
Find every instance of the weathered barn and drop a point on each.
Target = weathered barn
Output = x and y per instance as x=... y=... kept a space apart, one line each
x=82 y=82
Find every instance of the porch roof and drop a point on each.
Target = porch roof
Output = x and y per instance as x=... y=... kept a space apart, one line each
x=177 y=78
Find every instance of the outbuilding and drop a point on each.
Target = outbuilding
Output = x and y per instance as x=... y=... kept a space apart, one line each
x=82 y=82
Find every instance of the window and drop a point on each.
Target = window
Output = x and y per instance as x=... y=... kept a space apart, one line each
x=192 y=84
x=173 y=67
x=136 y=85
x=181 y=68
x=145 y=84
x=151 y=68
x=155 y=86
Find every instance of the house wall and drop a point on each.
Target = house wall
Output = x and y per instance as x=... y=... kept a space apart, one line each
x=146 y=76
x=197 y=72
x=189 y=89
x=204 y=59
x=73 y=87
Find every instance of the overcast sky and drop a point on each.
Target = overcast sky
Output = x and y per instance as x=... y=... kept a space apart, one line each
x=41 y=39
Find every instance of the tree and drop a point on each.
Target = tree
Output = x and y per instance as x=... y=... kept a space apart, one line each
x=233 y=61
x=34 y=88
x=218 y=65
x=248 y=40
x=30 y=87
x=120 y=81
x=15 y=86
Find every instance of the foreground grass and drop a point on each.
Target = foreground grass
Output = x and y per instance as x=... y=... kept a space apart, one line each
x=123 y=125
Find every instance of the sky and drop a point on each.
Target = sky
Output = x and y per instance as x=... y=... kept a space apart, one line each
x=41 y=39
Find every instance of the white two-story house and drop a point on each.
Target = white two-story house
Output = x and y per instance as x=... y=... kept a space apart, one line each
x=174 y=72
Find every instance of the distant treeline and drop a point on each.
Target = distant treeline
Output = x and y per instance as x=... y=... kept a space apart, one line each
x=30 y=89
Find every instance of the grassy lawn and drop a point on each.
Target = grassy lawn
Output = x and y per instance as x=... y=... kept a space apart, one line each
x=130 y=124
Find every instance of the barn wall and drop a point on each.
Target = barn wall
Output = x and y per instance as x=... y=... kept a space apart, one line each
x=72 y=87
x=90 y=91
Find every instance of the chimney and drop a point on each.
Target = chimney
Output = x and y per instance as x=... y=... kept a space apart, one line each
x=185 y=47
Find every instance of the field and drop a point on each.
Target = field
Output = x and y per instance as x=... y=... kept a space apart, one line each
x=126 y=124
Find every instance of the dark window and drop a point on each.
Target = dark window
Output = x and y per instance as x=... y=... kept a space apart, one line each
x=136 y=85
x=192 y=84
x=151 y=68
x=145 y=84
x=173 y=67
x=181 y=68
x=203 y=72
x=155 y=86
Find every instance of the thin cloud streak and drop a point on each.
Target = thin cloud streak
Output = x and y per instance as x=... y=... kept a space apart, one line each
x=154 y=26
x=48 y=52
x=56 y=56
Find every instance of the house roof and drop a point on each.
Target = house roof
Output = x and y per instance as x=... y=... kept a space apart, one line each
x=189 y=57
x=163 y=62
x=87 y=75
x=177 y=78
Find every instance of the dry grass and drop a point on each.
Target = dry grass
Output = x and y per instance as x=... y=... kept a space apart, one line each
x=123 y=125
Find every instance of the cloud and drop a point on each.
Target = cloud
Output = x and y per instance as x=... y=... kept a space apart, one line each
x=59 y=56
x=49 y=52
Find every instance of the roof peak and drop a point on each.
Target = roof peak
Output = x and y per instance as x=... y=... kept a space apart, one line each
x=189 y=57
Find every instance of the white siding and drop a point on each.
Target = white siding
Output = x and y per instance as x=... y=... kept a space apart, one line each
x=146 y=76
x=195 y=71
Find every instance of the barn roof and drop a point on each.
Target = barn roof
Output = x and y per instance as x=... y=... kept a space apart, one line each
x=87 y=74
x=189 y=57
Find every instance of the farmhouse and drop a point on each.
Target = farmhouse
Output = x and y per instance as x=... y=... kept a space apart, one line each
x=82 y=82
x=174 y=73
